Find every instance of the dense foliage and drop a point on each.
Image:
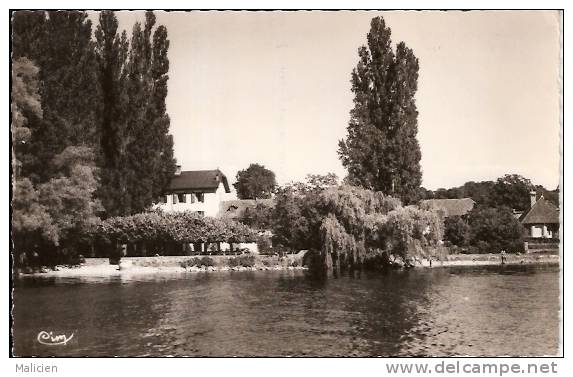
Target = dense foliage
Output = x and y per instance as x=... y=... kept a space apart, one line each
x=255 y=182
x=89 y=126
x=295 y=218
x=495 y=229
x=456 y=231
x=485 y=230
x=381 y=151
x=52 y=215
x=258 y=217
x=60 y=45
x=349 y=226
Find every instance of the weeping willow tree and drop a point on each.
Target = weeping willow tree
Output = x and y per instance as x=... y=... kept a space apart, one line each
x=359 y=225
x=339 y=247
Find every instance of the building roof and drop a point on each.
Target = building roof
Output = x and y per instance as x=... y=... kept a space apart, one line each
x=542 y=212
x=236 y=208
x=199 y=180
x=451 y=207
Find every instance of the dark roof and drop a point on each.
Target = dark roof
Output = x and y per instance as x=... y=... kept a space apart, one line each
x=451 y=207
x=542 y=212
x=236 y=208
x=199 y=180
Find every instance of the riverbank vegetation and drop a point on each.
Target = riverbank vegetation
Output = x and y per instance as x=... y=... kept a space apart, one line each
x=346 y=226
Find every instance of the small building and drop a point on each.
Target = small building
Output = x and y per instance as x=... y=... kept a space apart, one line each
x=541 y=222
x=200 y=191
x=542 y=219
x=450 y=207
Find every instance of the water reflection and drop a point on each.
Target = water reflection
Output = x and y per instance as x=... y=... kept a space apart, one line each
x=436 y=312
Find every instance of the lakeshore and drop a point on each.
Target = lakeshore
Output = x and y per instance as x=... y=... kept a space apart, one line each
x=100 y=267
x=491 y=259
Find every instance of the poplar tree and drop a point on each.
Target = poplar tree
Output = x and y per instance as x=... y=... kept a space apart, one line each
x=149 y=147
x=381 y=151
x=112 y=49
x=137 y=148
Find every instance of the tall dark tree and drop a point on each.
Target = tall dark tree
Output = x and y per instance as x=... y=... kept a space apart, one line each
x=112 y=48
x=255 y=182
x=149 y=146
x=137 y=147
x=381 y=151
x=60 y=44
x=163 y=159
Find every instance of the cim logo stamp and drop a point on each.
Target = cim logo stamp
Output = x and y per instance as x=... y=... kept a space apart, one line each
x=51 y=339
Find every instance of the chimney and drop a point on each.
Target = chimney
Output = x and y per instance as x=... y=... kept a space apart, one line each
x=532 y=197
x=177 y=169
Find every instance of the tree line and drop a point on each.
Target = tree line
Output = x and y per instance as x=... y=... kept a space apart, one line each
x=511 y=190
x=90 y=132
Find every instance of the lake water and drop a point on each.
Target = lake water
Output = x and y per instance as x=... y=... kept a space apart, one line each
x=440 y=312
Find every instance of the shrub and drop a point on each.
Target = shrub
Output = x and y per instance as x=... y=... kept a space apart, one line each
x=233 y=262
x=242 y=260
x=207 y=262
x=267 y=263
x=198 y=262
x=190 y=262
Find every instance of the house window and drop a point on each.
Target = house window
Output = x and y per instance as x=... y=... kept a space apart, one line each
x=181 y=198
x=202 y=213
x=192 y=197
x=200 y=197
x=174 y=198
x=163 y=199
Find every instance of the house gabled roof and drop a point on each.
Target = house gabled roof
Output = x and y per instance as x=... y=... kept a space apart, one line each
x=199 y=180
x=542 y=212
x=451 y=207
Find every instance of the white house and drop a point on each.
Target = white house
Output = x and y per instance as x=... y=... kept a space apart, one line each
x=199 y=191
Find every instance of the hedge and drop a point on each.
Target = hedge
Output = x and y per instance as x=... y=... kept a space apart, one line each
x=179 y=227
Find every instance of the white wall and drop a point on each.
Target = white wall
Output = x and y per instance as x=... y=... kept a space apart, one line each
x=210 y=206
x=539 y=231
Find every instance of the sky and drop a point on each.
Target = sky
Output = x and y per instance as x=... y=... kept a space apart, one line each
x=274 y=88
